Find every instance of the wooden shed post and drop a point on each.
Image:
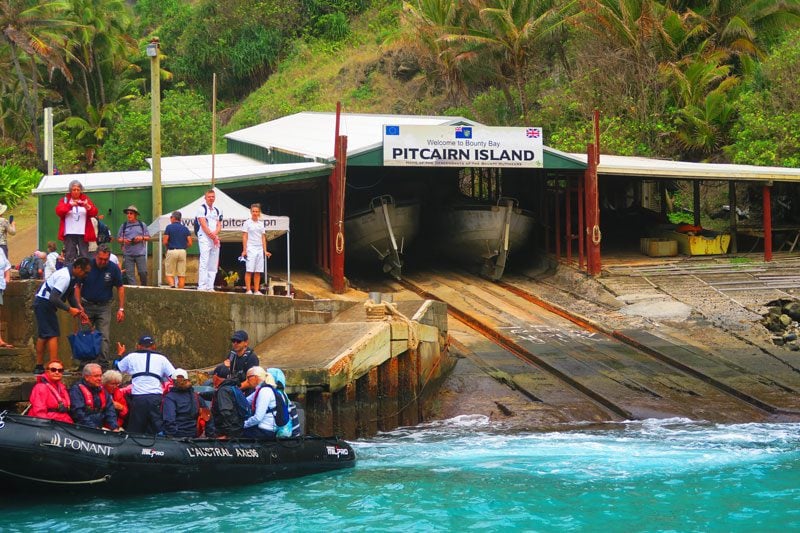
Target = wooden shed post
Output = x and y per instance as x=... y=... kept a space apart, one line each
x=336 y=188
x=593 y=234
x=767 y=191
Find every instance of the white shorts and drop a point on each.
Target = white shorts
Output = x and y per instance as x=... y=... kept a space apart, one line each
x=255 y=261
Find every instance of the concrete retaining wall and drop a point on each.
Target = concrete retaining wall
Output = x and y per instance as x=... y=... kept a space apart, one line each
x=192 y=328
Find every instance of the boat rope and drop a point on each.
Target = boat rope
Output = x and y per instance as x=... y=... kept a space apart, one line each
x=103 y=479
x=380 y=311
x=597 y=236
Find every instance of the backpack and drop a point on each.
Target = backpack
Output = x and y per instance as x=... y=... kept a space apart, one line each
x=29 y=267
x=242 y=406
x=103 y=232
x=205 y=212
x=121 y=230
x=283 y=419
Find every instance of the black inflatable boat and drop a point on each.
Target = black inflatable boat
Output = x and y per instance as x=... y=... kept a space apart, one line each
x=43 y=455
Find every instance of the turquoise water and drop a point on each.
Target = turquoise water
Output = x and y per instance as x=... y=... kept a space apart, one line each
x=466 y=474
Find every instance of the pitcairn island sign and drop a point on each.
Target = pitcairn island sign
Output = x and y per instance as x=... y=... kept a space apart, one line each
x=462 y=146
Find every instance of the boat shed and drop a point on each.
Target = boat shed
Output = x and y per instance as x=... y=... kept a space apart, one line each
x=358 y=155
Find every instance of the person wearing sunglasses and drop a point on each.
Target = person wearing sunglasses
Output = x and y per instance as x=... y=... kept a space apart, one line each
x=49 y=397
x=241 y=358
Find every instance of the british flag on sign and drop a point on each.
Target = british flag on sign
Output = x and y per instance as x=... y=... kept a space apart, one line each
x=533 y=133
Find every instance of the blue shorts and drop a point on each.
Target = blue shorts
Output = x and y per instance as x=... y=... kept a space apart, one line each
x=46 y=318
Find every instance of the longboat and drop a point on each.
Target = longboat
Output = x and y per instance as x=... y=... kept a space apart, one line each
x=485 y=234
x=379 y=233
x=43 y=455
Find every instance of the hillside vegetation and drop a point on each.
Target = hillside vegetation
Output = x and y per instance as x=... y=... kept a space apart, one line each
x=688 y=79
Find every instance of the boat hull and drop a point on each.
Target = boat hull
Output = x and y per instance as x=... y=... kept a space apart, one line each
x=474 y=234
x=43 y=455
x=369 y=241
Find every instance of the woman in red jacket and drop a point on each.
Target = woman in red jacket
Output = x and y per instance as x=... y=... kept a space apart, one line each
x=49 y=397
x=76 y=230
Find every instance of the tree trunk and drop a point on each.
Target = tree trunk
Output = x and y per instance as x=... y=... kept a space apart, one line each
x=26 y=94
x=100 y=80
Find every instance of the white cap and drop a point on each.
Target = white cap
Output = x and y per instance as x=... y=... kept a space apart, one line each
x=180 y=372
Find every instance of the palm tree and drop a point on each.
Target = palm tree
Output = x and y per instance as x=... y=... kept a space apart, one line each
x=509 y=31
x=34 y=33
x=705 y=92
x=431 y=19
x=101 y=41
x=744 y=27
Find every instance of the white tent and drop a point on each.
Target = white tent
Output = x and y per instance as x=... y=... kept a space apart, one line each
x=234 y=215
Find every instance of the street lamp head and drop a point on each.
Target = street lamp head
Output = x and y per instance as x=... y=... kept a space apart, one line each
x=152 y=48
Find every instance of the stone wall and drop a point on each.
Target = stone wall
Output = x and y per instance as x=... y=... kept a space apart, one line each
x=193 y=328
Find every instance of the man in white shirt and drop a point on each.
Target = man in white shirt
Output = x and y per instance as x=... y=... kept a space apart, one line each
x=5 y=277
x=148 y=369
x=58 y=292
x=210 y=221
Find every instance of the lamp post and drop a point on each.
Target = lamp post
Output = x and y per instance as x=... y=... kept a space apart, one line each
x=155 y=122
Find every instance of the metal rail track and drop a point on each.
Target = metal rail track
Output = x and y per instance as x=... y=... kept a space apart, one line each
x=509 y=344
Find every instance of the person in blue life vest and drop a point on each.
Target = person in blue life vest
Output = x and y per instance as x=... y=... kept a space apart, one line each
x=148 y=369
x=133 y=236
x=176 y=239
x=90 y=403
x=95 y=296
x=182 y=407
x=58 y=292
x=261 y=425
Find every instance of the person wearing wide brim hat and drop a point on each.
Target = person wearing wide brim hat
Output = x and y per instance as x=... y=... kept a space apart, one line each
x=133 y=236
x=7 y=227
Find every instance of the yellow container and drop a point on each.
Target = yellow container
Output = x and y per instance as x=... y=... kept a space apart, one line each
x=658 y=247
x=699 y=245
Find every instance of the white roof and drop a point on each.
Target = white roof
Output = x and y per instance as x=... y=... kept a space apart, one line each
x=661 y=168
x=178 y=170
x=312 y=134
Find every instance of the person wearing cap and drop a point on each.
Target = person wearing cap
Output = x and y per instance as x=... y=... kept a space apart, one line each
x=76 y=211
x=96 y=297
x=241 y=358
x=7 y=227
x=181 y=407
x=210 y=220
x=148 y=369
x=133 y=236
x=227 y=405
x=177 y=238
x=57 y=292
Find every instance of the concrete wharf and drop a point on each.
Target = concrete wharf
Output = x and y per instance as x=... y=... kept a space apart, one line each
x=355 y=372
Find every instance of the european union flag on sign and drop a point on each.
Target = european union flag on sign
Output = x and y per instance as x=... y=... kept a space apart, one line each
x=392 y=130
x=463 y=132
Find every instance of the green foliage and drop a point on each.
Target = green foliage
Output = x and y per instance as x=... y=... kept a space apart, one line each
x=332 y=26
x=768 y=129
x=185 y=130
x=240 y=40
x=16 y=183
